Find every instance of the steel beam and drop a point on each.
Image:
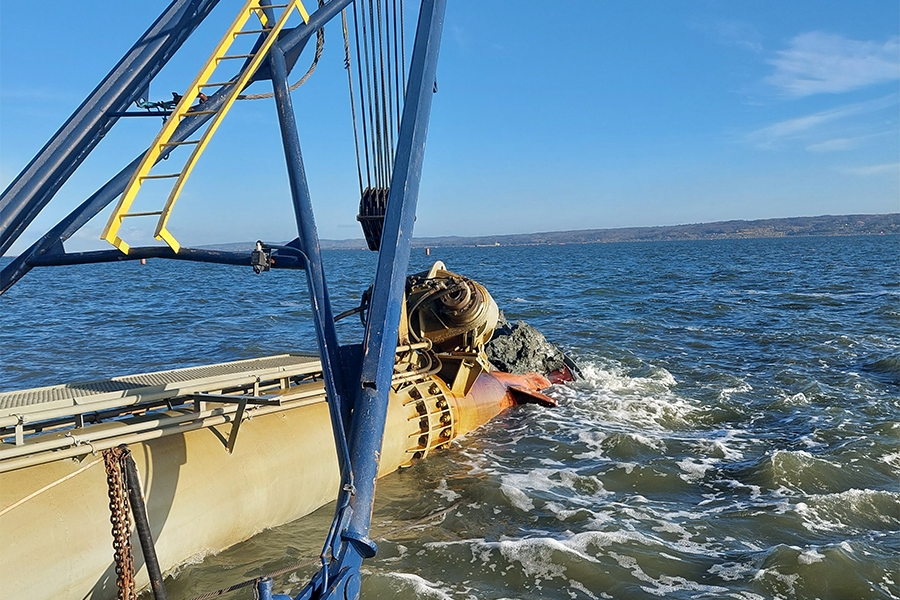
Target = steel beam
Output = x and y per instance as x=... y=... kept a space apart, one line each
x=218 y=257
x=51 y=242
x=307 y=243
x=35 y=186
x=341 y=578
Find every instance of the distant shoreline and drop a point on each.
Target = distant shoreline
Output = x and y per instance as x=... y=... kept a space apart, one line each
x=792 y=227
x=826 y=225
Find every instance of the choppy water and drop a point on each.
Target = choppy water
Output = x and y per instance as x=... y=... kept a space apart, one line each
x=736 y=434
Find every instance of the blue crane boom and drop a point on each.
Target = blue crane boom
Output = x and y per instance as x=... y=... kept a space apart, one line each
x=358 y=377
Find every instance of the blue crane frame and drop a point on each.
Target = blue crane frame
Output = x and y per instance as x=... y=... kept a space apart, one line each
x=357 y=378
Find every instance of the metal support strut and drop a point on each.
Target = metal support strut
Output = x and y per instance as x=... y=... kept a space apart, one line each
x=341 y=578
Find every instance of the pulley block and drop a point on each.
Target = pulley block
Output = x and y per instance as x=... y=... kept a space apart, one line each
x=372 y=207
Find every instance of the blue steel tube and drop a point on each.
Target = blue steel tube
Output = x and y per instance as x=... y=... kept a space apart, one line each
x=308 y=239
x=293 y=41
x=113 y=188
x=35 y=186
x=51 y=242
x=380 y=343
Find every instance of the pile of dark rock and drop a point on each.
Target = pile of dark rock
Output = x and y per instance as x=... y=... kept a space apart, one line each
x=518 y=348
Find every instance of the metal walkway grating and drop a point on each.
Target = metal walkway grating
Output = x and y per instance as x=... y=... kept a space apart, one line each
x=158 y=385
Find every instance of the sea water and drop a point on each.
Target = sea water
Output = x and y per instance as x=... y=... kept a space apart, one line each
x=735 y=433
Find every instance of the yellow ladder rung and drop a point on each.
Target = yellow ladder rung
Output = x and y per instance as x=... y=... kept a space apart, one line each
x=166 y=176
x=142 y=214
x=184 y=143
x=163 y=145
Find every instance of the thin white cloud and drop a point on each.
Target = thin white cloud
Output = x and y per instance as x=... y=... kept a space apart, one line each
x=817 y=62
x=792 y=128
x=739 y=34
x=846 y=143
x=836 y=144
x=870 y=170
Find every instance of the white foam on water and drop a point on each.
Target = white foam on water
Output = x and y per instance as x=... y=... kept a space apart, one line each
x=196 y=559
x=614 y=378
x=530 y=549
x=670 y=557
x=664 y=584
x=602 y=539
x=593 y=440
x=892 y=459
x=834 y=512
x=609 y=421
x=724 y=445
x=578 y=586
x=421 y=586
x=726 y=393
x=517 y=497
x=561 y=512
x=789 y=580
x=445 y=492
x=668 y=523
x=565 y=484
x=745 y=595
x=809 y=557
x=610 y=395
x=712 y=453
x=540 y=558
x=670 y=527
x=733 y=571
x=535 y=556
x=695 y=470
x=809 y=441
x=798 y=399
x=667 y=584
x=653 y=443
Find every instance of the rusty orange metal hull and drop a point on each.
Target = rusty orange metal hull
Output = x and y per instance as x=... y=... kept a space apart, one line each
x=494 y=392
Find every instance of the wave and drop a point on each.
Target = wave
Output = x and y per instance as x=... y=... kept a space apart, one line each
x=852 y=511
x=609 y=394
x=886 y=368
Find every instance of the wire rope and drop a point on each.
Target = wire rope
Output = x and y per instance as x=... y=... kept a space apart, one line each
x=362 y=99
x=320 y=45
x=377 y=90
x=347 y=66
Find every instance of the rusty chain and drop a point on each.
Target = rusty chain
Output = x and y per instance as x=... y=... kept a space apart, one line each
x=120 y=518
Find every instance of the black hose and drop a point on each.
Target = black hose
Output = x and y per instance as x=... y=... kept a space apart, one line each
x=142 y=524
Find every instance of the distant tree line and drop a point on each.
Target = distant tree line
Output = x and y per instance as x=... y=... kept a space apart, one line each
x=828 y=225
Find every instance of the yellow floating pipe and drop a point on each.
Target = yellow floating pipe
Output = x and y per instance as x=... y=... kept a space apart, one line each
x=54 y=517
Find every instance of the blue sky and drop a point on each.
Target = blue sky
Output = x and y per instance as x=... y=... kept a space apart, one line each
x=549 y=116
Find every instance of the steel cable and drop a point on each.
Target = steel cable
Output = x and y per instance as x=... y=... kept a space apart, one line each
x=352 y=102
x=320 y=45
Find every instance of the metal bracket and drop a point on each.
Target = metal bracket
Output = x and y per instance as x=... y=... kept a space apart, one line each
x=242 y=402
x=20 y=431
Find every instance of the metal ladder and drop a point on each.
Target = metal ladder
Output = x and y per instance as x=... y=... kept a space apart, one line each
x=163 y=143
